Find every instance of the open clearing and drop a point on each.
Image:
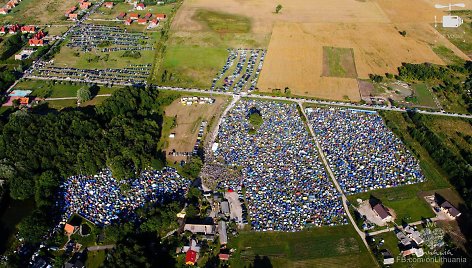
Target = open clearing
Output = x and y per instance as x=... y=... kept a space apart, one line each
x=318 y=247
x=38 y=12
x=187 y=122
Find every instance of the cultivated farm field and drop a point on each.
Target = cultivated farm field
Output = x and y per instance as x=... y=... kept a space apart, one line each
x=296 y=36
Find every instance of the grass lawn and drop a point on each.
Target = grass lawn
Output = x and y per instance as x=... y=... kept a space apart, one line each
x=316 y=247
x=187 y=65
x=106 y=13
x=461 y=36
x=339 y=62
x=423 y=95
x=68 y=57
x=223 y=22
x=38 y=12
x=46 y=89
x=447 y=55
x=95 y=258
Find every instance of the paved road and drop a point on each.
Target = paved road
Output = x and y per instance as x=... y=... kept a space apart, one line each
x=336 y=184
x=103 y=247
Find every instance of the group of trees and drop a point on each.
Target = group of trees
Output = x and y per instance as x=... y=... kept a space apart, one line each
x=38 y=149
x=456 y=164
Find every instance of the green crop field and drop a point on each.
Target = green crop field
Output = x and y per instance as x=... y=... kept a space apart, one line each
x=447 y=55
x=316 y=247
x=339 y=62
x=223 y=23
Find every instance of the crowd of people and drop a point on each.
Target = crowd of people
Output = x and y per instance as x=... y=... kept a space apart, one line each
x=245 y=73
x=361 y=151
x=102 y=199
x=285 y=181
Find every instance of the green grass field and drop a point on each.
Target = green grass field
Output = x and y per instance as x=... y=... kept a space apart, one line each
x=194 y=58
x=191 y=65
x=339 y=62
x=462 y=36
x=44 y=89
x=95 y=258
x=223 y=22
x=68 y=57
x=447 y=55
x=423 y=95
x=316 y=247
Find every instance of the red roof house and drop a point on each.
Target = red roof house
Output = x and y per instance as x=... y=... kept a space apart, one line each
x=223 y=257
x=140 y=6
x=3 y=11
x=3 y=30
x=24 y=100
x=36 y=42
x=148 y=16
x=73 y=16
x=28 y=29
x=134 y=16
x=85 y=5
x=191 y=257
x=108 y=4
x=14 y=28
x=128 y=22
x=161 y=16
x=121 y=16
x=142 y=21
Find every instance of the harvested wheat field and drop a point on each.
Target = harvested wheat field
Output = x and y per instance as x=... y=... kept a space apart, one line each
x=295 y=56
x=188 y=119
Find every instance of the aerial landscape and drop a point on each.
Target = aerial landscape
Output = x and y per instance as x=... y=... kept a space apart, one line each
x=258 y=133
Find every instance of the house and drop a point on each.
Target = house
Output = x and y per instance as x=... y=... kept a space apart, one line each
x=3 y=30
x=121 y=16
x=128 y=22
x=133 y=16
x=69 y=229
x=200 y=228
x=387 y=257
x=14 y=29
x=3 y=11
x=413 y=234
x=142 y=21
x=154 y=23
x=33 y=42
x=108 y=4
x=24 y=54
x=190 y=257
x=222 y=233
x=148 y=16
x=85 y=5
x=69 y=11
x=28 y=29
x=172 y=135
x=24 y=100
x=223 y=257
x=449 y=209
x=73 y=16
x=10 y=5
x=160 y=16
x=379 y=209
x=140 y=6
